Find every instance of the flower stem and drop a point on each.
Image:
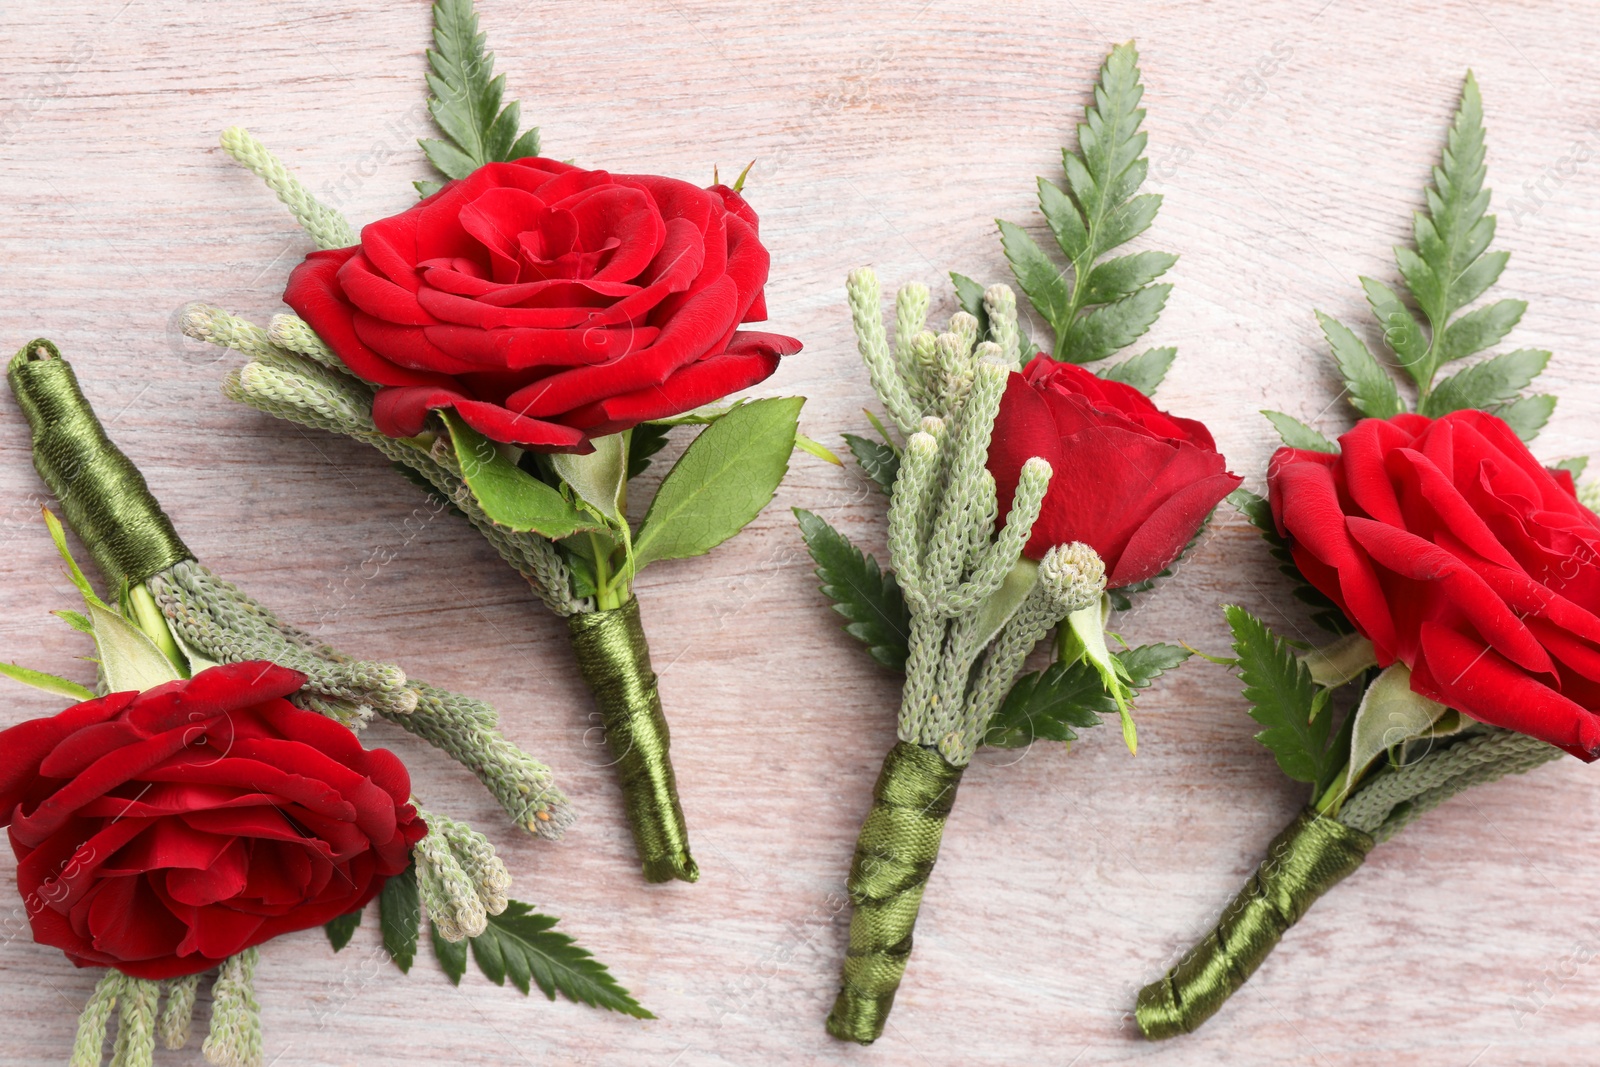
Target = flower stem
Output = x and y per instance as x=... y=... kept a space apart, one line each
x=614 y=659
x=895 y=853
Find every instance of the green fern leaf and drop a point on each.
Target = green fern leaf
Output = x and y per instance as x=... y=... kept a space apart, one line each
x=466 y=100
x=1095 y=309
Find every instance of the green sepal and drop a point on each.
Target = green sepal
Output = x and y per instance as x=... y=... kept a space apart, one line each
x=50 y=683
x=599 y=478
x=1083 y=638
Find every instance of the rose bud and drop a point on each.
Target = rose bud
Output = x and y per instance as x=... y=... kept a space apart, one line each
x=1130 y=481
x=1456 y=553
x=547 y=304
x=162 y=832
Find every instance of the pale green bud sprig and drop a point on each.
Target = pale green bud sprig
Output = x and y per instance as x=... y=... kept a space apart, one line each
x=977 y=606
x=460 y=879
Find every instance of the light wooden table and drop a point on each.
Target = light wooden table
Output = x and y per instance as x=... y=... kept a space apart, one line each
x=889 y=134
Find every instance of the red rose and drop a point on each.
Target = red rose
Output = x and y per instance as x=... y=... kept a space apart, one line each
x=161 y=832
x=1456 y=553
x=1130 y=481
x=548 y=304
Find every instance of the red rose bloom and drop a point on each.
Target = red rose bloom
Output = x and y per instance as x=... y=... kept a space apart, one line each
x=1455 y=552
x=161 y=832
x=1130 y=481
x=548 y=304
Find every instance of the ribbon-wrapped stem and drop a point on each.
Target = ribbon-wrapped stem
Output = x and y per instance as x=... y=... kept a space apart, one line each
x=1313 y=854
x=614 y=659
x=1305 y=860
x=102 y=494
x=895 y=853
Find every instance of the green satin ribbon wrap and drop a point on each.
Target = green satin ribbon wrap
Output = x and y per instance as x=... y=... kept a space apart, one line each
x=1311 y=855
x=614 y=660
x=103 y=496
x=895 y=852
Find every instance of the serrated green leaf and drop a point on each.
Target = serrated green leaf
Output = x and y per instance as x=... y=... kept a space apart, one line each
x=342 y=929
x=1062 y=216
x=1145 y=371
x=867 y=596
x=880 y=462
x=426 y=189
x=1480 y=329
x=1100 y=213
x=1041 y=280
x=446 y=158
x=452 y=955
x=1103 y=331
x=1527 y=415
x=600 y=479
x=1372 y=391
x=1255 y=508
x=1401 y=331
x=47 y=682
x=1282 y=698
x=721 y=482
x=1456 y=205
x=1128 y=221
x=1046 y=705
x=644 y=441
x=1297 y=434
x=467 y=95
x=525 y=146
x=1109 y=140
x=1124 y=275
x=1488 y=384
x=519 y=943
x=969 y=294
x=400 y=917
x=509 y=495
x=1573 y=465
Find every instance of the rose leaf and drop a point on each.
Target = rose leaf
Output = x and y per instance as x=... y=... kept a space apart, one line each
x=721 y=482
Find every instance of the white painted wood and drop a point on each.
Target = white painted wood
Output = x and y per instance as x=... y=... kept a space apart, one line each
x=1291 y=141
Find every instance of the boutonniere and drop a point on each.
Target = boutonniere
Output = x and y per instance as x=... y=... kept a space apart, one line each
x=216 y=795
x=521 y=342
x=1026 y=493
x=1460 y=574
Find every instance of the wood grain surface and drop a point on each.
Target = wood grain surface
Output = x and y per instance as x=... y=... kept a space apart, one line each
x=1291 y=141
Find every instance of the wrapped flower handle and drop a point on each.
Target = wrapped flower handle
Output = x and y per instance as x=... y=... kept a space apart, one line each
x=614 y=659
x=103 y=495
x=1309 y=857
x=895 y=853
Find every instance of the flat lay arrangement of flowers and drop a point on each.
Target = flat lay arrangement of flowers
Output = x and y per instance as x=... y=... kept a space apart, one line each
x=1055 y=535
